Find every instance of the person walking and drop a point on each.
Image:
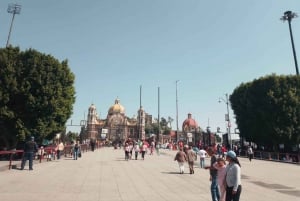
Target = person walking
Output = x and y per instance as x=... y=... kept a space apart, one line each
x=157 y=146
x=180 y=157
x=250 y=153
x=202 y=155
x=41 y=153
x=215 y=194
x=30 y=148
x=224 y=150
x=233 y=177
x=127 y=150
x=152 y=146
x=136 y=150
x=220 y=165
x=75 y=151
x=191 y=157
x=144 y=149
x=60 y=148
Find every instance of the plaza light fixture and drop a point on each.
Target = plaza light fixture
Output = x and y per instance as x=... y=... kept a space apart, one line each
x=288 y=16
x=177 y=112
x=227 y=118
x=14 y=9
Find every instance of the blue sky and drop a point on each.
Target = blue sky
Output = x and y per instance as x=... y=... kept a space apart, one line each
x=115 y=46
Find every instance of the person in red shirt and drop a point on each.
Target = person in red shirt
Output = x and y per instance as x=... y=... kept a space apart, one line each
x=223 y=151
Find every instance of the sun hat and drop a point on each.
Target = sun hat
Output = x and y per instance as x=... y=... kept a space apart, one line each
x=231 y=154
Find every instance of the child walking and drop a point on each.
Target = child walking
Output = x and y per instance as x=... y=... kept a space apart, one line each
x=220 y=165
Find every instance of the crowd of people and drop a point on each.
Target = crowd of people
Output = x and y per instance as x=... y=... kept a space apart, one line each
x=139 y=148
x=224 y=170
x=32 y=152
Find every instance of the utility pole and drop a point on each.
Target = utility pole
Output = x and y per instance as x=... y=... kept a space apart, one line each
x=14 y=9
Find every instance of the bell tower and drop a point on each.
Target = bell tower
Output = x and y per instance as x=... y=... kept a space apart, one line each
x=92 y=131
x=141 y=123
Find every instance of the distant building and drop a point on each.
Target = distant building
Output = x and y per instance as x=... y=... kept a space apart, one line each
x=191 y=130
x=116 y=126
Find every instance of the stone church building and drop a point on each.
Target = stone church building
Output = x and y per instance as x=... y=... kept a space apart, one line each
x=116 y=126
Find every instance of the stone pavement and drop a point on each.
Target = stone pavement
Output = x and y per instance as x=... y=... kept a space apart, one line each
x=104 y=175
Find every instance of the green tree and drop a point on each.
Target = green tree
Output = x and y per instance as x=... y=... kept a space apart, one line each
x=71 y=137
x=153 y=128
x=268 y=110
x=170 y=120
x=36 y=95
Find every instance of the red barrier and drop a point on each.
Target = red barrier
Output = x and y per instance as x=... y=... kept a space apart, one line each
x=10 y=153
x=50 y=150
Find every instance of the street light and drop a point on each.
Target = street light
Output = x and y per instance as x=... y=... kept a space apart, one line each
x=177 y=112
x=288 y=16
x=14 y=9
x=227 y=118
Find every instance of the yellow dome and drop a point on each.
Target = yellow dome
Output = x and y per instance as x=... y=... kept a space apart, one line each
x=116 y=108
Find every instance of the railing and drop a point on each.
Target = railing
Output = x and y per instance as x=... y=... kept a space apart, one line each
x=11 y=155
x=43 y=155
x=274 y=156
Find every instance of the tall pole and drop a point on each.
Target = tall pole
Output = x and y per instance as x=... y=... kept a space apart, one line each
x=227 y=119
x=177 y=112
x=289 y=15
x=158 y=118
x=140 y=116
x=14 y=9
x=228 y=122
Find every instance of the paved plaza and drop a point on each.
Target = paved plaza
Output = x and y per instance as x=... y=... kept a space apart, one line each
x=104 y=175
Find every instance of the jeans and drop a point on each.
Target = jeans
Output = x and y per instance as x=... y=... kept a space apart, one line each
x=202 y=162
x=75 y=155
x=215 y=194
x=27 y=156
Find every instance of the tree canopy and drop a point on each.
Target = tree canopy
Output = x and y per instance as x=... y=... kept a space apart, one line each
x=267 y=110
x=36 y=95
x=164 y=128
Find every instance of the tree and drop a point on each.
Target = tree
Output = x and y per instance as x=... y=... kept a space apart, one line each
x=268 y=110
x=36 y=95
x=153 y=127
x=170 y=120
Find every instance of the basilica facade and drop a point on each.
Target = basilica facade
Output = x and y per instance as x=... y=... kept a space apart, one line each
x=116 y=126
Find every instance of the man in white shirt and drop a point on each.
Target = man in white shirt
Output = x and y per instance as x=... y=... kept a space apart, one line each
x=202 y=153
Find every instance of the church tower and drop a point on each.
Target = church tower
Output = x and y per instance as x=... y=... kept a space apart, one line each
x=92 y=131
x=141 y=123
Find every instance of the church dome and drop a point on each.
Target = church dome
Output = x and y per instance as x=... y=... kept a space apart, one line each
x=189 y=123
x=116 y=108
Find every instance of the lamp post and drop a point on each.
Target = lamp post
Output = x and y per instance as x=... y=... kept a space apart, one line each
x=158 y=115
x=288 y=16
x=177 y=112
x=227 y=118
x=14 y=9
